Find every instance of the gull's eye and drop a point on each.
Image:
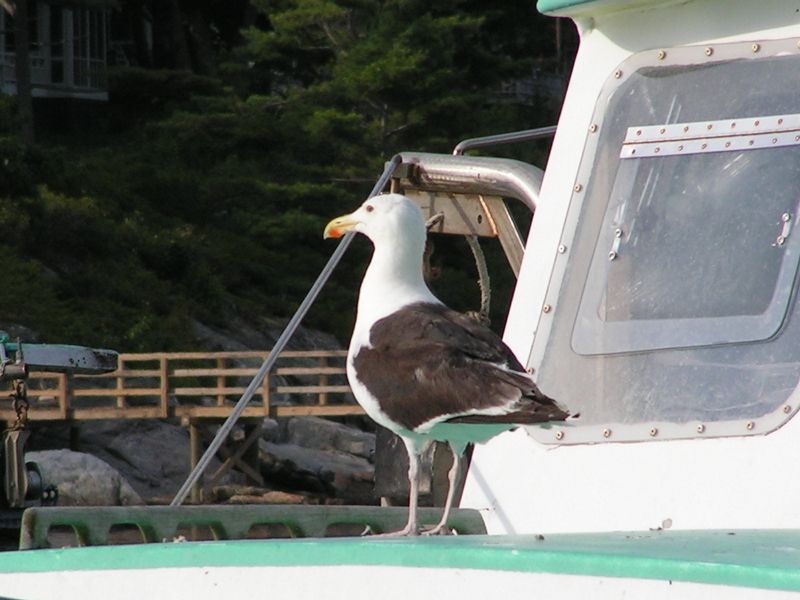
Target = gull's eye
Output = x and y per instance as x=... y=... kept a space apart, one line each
x=370 y=208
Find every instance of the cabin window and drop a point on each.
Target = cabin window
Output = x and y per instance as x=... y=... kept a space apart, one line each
x=676 y=310
x=696 y=246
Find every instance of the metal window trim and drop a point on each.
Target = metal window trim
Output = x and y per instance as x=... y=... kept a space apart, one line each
x=730 y=135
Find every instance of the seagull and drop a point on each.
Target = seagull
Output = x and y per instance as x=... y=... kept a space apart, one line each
x=420 y=369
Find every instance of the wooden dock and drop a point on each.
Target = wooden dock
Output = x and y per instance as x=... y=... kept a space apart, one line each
x=193 y=385
x=199 y=389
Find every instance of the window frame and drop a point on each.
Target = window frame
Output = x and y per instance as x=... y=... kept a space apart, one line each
x=651 y=430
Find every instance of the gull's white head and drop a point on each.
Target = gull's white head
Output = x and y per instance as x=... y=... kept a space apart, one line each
x=386 y=218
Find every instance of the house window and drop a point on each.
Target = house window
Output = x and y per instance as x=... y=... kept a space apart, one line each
x=89 y=48
x=56 y=44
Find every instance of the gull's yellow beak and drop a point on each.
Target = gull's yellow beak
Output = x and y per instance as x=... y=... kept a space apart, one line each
x=339 y=226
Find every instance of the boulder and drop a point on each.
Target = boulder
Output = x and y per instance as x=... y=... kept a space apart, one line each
x=83 y=479
x=331 y=473
x=322 y=434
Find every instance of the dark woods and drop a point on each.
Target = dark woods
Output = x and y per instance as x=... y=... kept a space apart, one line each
x=233 y=131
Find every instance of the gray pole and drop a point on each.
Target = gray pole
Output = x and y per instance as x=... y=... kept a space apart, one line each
x=269 y=362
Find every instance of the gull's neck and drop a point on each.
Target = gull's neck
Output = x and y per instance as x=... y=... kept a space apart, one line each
x=393 y=280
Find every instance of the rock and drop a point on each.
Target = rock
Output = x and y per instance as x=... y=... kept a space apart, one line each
x=343 y=476
x=83 y=479
x=153 y=455
x=322 y=434
x=242 y=335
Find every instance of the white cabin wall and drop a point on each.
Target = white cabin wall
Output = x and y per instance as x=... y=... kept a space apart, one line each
x=526 y=487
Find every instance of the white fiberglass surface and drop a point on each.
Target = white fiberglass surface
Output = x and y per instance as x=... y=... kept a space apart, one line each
x=678 y=299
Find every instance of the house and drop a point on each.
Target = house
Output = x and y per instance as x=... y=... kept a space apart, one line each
x=68 y=48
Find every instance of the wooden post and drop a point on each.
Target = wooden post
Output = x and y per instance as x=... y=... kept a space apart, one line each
x=220 y=382
x=163 y=375
x=265 y=392
x=195 y=452
x=120 y=385
x=64 y=394
x=323 y=380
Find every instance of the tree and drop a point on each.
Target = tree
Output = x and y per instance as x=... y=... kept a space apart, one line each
x=18 y=14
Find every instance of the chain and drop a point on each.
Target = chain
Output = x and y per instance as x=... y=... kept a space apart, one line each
x=19 y=402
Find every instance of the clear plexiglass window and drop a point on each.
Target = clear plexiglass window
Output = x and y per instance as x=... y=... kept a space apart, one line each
x=677 y=302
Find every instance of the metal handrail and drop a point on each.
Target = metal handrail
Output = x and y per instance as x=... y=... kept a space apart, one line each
x=287 y=333
x=475 y=175
x=504 y=138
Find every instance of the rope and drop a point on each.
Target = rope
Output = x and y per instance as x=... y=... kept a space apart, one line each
x=484 y=283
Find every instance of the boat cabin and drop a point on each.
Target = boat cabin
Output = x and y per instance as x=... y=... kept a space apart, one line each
x=658 y=291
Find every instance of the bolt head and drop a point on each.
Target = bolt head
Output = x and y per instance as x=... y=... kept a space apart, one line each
x=562 y=248
x=606 y=433
x=559 y=435
x=755 y=47
x=547 y=308
x=653 y=431
x=617 y=74
x=709 y=51
x=578 y=187
x=662 y=55
x=612 y=255
x=701 y=428
x=593 y=128
x=786 y=217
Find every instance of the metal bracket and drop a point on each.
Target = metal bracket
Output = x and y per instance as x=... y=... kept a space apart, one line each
x=786 y=229
x=471 y=214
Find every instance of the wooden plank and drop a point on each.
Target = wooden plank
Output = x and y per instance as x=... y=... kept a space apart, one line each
x=126 y=373
x=329 y=410
x=34 y=414
x=215 y=412
x=310 y=371
x=323 y=380
x=63 y=396
x=207 y=391
x=249 y=372
x=220 y=380
x=193 y=355
x=131 y=412
x=96 y=393
x=163 y=387
x=312 y=389
x=215 y=372
x=234 y=459
x=195 y=453
x=51 y=393
x=120 y=385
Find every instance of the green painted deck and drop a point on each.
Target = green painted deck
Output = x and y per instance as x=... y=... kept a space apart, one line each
x=757 y=559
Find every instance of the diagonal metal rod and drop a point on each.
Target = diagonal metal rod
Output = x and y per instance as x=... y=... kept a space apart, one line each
x=269 y=362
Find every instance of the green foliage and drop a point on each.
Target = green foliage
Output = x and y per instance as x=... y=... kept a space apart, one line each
x=200 y=197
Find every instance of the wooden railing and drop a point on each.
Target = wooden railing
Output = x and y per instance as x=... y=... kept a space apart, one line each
x=194 y=385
